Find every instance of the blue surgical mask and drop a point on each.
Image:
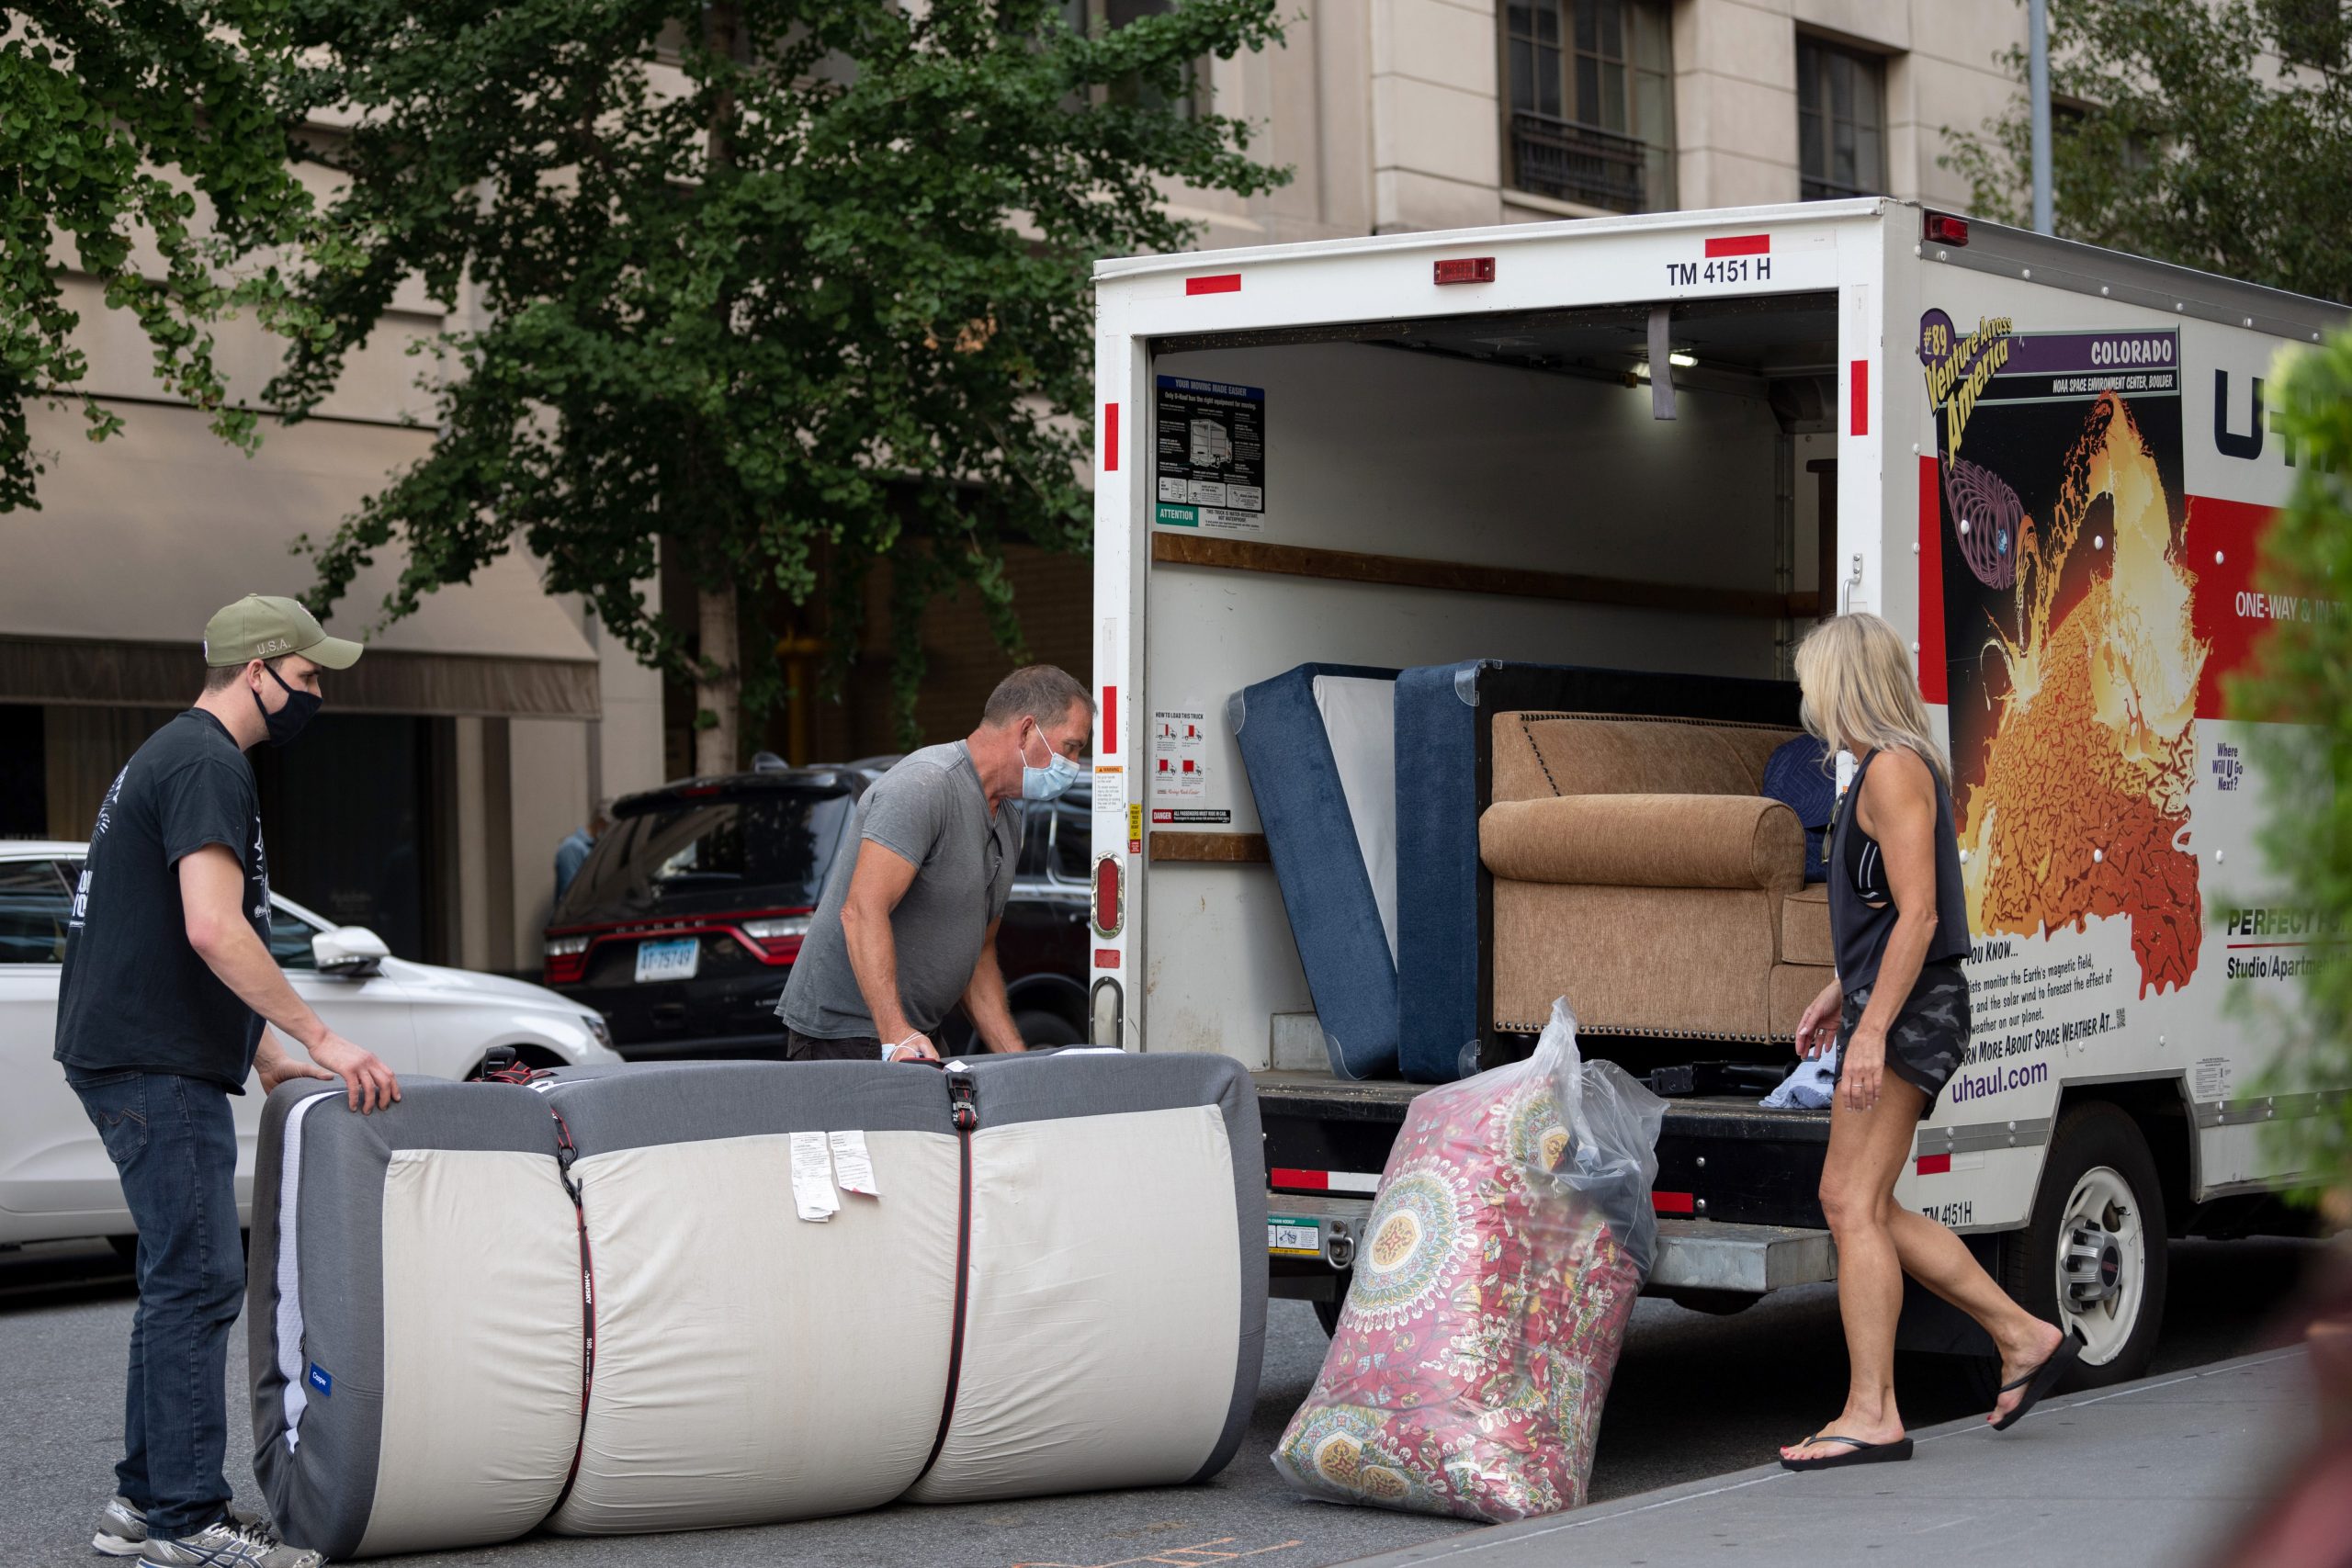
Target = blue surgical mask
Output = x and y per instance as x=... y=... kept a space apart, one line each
x=1048 y=782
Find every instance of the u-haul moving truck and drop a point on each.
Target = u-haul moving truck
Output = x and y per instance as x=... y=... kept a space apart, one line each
x=2047 y=463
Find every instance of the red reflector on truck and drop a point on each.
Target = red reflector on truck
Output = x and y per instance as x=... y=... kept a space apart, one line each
x=1466 y=269
x=1324 y=1180
x=1934 y=1165
x=1216 y=282
x=1110 y=438
x=1740 y=245
x=1108 y=877
x=1106 y=958
x=1858 y=399
x=1943 y=229
x=1673 y=1203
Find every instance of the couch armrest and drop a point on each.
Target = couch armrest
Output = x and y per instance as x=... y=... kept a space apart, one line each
x=1646 y=841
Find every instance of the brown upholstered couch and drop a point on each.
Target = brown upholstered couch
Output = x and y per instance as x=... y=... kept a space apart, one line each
x=1638 y=873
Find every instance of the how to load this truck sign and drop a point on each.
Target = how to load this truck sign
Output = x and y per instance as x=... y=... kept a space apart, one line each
x=1428 y=538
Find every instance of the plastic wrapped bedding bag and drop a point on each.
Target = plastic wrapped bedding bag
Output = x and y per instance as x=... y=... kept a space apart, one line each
x=1511 y=1235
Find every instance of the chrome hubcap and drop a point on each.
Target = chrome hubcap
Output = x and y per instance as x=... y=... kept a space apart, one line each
x=2102 y=1263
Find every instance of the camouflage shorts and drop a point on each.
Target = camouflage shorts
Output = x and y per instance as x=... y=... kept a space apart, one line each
x=1929 y=1037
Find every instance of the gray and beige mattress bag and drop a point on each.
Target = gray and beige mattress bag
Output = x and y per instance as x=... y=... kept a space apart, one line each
x=592 y=1305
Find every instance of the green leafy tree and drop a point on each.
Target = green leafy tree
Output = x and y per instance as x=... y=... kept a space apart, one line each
x=2215 y=133
x=2302 y=681
x=786 y=287
x=114 y=120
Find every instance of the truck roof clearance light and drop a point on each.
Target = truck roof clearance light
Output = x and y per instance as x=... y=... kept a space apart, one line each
x=1215 y=283
x=1465 y=269
x=1943 y=229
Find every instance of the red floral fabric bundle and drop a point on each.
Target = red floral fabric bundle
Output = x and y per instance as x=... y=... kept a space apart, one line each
x=1488 y=1306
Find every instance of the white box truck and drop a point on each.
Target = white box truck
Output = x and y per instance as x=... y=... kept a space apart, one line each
x=1669 y=443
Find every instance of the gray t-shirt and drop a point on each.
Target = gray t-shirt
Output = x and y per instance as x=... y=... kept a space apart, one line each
x=931 y=810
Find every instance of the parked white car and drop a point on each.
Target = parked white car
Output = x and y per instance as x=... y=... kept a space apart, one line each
x=55 y=1178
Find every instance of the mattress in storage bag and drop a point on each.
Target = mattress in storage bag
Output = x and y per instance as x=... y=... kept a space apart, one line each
x=1509 y=1238
x=973 y=1328
x=1443 y=751
x=412 y=1315
x=1318 y=745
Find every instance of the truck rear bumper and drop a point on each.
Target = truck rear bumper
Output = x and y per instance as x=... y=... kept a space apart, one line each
x=1311 y=1240
x=1709 y=1255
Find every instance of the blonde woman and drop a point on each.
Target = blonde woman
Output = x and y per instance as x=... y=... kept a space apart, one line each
x=1897 y=1010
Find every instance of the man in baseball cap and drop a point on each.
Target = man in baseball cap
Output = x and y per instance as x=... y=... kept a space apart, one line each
x=166 y=982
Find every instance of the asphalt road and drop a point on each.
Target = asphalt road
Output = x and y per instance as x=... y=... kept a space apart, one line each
x=1695 y=1396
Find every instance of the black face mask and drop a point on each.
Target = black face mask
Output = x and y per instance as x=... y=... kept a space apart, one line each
x=287 y=722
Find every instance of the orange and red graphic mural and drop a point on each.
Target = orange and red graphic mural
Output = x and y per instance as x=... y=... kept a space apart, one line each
x=2058 y=579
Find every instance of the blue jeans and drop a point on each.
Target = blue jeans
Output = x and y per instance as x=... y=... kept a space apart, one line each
x=173 y=1142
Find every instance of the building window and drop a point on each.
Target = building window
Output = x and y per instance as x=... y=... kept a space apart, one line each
x=1841 y=121
x=1094 y=19
x=1589 y=91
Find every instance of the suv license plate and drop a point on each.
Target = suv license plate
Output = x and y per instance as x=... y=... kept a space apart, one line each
x=668 y=960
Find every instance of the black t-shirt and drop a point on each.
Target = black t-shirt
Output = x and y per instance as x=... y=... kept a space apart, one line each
x=134 y=994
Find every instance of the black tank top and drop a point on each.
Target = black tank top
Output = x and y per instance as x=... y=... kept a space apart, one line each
x=1857 y=881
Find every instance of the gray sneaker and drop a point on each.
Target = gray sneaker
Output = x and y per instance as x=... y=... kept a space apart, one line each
x=228 y=1544
x=122 y=1527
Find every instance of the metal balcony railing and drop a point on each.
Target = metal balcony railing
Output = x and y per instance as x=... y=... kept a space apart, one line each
x=1561 y=158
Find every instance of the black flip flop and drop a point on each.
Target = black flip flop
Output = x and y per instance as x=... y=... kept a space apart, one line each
x=2041 y=1380
x=1860 y=1452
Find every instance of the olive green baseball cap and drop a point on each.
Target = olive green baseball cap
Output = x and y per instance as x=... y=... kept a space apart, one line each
x=264 y=625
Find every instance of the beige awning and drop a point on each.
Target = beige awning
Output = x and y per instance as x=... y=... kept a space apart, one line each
x=168 y=675
x=142 y=537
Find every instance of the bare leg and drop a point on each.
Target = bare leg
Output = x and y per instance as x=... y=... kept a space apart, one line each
x=1866 y=1149
x=1932 y=1255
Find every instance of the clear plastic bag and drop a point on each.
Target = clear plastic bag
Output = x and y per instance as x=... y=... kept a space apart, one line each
x=1512 y=1233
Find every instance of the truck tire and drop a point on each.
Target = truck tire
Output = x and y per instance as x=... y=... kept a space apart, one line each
x=1327 y=1313
x=2092 y=1257
x=1041 y=1028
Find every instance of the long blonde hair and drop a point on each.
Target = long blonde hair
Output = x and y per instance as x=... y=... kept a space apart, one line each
x=1859 y=693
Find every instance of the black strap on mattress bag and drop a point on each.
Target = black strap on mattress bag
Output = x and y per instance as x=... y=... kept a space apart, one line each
x=963 y=1104
x=501 y=1066
x=565 y=1153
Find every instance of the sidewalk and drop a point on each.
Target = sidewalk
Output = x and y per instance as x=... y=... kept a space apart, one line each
x=2152 y=1472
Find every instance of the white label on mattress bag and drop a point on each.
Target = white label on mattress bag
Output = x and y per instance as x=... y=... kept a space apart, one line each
x=852 y=1167
x=812 y=1178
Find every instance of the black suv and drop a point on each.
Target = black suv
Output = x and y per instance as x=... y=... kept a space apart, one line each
x=685 y=919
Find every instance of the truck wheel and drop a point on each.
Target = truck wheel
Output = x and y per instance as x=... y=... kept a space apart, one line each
x=2092 y=1257
x=1046 y=1029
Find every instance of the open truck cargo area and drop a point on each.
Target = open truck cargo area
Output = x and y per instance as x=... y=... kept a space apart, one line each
x=1447 y=592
